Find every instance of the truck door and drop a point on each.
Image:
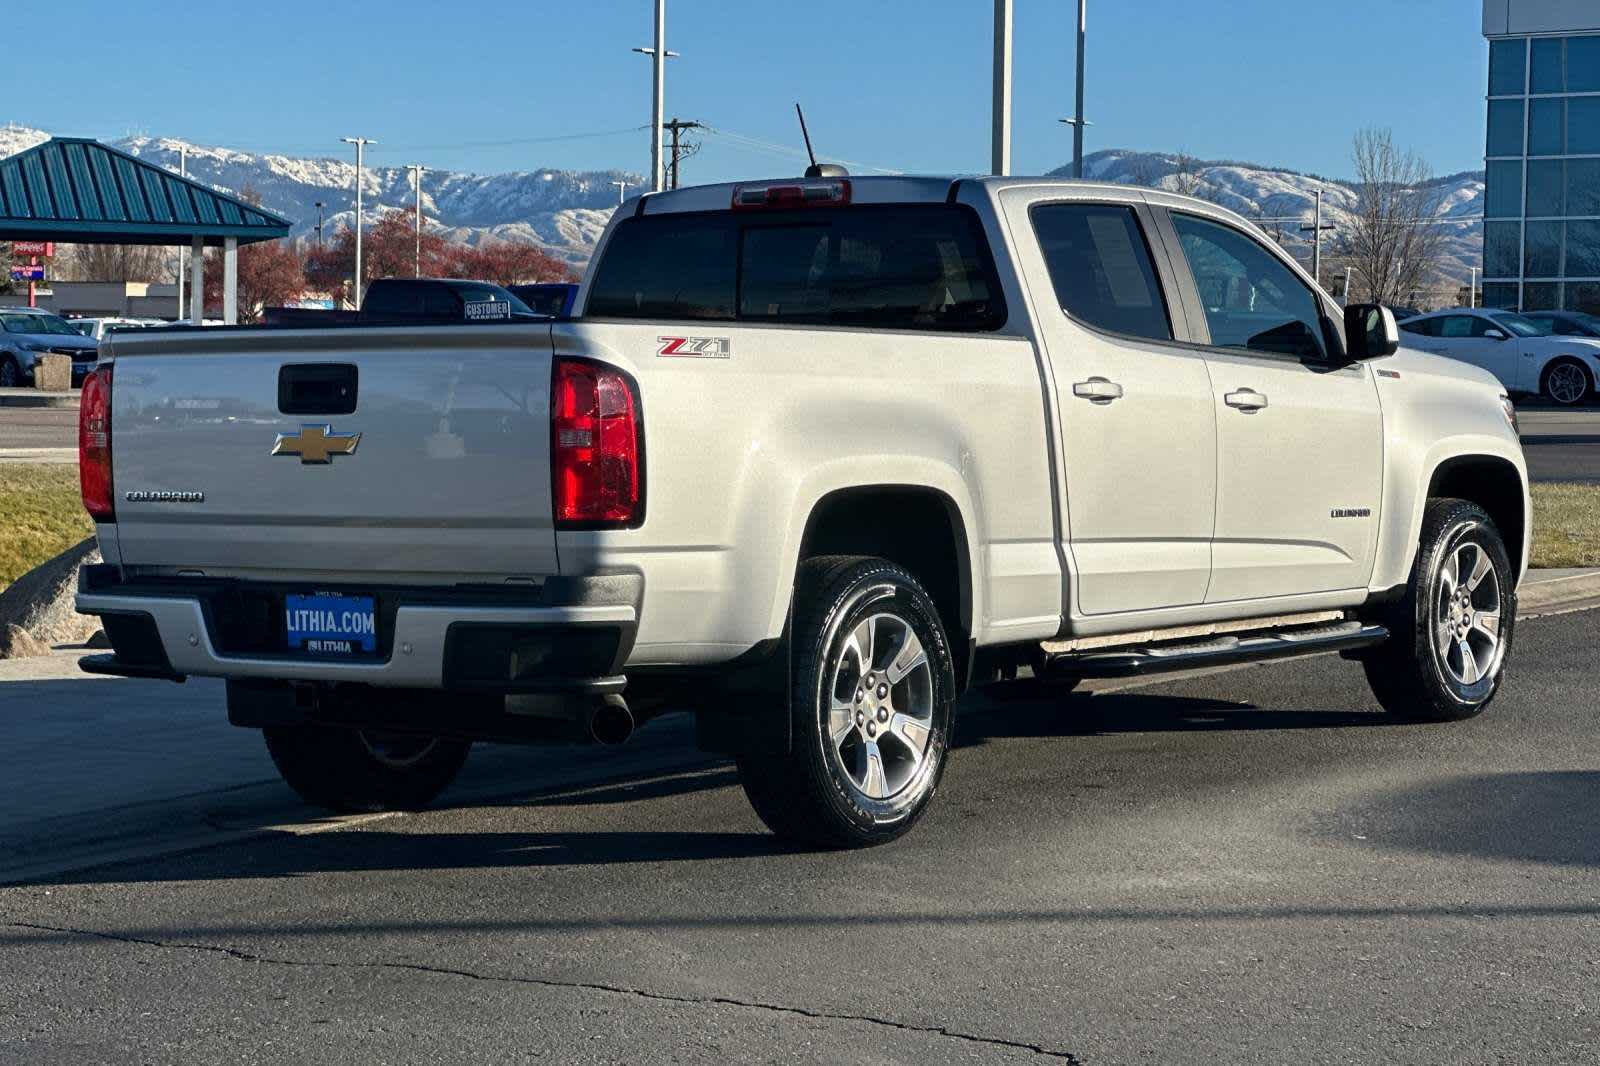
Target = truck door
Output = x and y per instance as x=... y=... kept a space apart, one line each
x=1137 y=479
x=1299 y=435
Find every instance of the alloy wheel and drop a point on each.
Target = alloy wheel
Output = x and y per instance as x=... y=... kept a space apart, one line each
x=1567 y=383
x=880 y=707
x=1466 y=620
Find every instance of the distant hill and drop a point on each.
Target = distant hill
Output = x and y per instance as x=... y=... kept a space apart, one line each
x=566 y=210
x=1261 y=192
x=562 y=210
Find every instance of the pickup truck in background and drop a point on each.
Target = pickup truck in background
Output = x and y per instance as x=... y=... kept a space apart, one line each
x=815 y=456
x=415 y=300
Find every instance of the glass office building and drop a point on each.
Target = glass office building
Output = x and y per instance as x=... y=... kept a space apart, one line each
x=1541 y=230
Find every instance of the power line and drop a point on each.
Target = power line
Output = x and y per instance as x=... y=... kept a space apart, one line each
x=756 y=144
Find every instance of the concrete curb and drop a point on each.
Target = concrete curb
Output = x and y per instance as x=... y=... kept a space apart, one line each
x=1555 y=591
x=35 y=398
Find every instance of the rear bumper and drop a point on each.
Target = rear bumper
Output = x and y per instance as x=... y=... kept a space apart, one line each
x=567 y=635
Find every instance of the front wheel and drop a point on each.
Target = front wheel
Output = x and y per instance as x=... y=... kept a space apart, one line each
x=10 y=376
x=352 y=771
x=1451 y=634
x=871 y=694
x=1567 y=382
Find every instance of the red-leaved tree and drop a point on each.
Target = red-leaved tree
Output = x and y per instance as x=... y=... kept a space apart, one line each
x=389 y=250
x=270 y=275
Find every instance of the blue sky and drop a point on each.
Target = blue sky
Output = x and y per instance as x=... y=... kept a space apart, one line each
x=900 y=84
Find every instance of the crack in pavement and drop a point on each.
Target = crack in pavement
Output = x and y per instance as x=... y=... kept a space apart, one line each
x=581 y=986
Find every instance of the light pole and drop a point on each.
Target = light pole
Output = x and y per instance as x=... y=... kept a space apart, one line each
x=183 y=172
x=416 y=176
x=361 y=144
x=1078 y=121
x=319 y=205
x=1000 y=147
x=658 y=95
x=622 y=190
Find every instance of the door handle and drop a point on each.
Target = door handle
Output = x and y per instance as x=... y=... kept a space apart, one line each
x=1097 y=390
x=1247 y=400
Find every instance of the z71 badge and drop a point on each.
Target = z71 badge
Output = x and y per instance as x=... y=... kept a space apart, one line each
x=694 y=348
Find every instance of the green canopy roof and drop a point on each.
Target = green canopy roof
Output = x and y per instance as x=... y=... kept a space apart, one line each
x=80 y=191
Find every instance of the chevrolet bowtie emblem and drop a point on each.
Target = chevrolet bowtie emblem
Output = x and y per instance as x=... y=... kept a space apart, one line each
x=316 y=444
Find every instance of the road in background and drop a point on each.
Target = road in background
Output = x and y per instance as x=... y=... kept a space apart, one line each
x=1252 y=865
x=39 y=427
x=1561 y=445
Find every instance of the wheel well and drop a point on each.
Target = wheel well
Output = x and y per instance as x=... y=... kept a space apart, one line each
x=917 y=528
x=1492 y=484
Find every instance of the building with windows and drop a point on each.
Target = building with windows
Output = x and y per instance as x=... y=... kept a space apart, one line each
x=1541 y=230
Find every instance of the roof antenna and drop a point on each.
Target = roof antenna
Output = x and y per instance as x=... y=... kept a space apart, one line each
x=804 y=133
x=816 y=169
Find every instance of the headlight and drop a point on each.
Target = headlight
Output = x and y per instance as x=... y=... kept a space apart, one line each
x=1509 y=409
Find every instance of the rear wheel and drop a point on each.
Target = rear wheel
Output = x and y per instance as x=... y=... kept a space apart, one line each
x=872 y=689
x=1451 y=633
x=350 y=771
x=1567 y=382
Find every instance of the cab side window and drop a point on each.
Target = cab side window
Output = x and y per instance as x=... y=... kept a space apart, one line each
x=1427 y=327
x=1461 y=326
x=1251 y=299
x=1101 y=269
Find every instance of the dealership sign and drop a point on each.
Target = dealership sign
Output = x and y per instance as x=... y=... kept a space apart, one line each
x=27 y=273
x=45 y=248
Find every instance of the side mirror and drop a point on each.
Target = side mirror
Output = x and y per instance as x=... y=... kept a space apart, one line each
x=1494 y=334
x=1370 y=331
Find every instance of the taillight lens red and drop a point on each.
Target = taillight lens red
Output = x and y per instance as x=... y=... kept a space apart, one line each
x=94 y=444
x=594 y=447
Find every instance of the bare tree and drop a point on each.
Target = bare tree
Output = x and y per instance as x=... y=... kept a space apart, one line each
x=112 y=262
x=1392 y=241
x=1186 y=179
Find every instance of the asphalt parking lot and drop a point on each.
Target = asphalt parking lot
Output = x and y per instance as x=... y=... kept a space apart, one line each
x=1247 y=866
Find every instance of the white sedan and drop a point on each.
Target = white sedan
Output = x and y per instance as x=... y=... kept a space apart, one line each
x=1523 y=353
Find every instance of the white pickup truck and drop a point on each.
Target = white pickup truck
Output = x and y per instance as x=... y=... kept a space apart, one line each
x=814 y=456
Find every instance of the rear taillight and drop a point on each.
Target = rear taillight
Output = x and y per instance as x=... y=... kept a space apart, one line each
x=94 y=444
x=595 y=453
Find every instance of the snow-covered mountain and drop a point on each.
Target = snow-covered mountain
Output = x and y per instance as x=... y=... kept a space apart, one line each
x=563 y=210
x=1267 y=193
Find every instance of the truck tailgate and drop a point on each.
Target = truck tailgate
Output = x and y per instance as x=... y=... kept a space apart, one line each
x=440 y=473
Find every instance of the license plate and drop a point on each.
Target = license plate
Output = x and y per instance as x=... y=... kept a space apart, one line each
x=328 y=623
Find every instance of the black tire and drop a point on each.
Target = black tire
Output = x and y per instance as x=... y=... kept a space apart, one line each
x=352 y=772
x=808 y=794
x=10 y=373
x=1410 y=675
x=1583 y=380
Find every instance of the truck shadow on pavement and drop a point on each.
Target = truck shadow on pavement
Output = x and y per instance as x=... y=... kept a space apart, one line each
x=1035 y=711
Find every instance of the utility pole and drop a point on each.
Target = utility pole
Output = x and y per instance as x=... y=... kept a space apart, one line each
x=658 y=97
x=183 y=172
x=319 y=205
x=1000 y=148
x=361 y=144
x=622 y=190
x=677 y=126
x=416 y=176
x=1315 y=229
x=1472 y=288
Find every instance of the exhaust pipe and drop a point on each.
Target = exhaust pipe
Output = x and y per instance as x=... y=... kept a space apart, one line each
x=610 y=723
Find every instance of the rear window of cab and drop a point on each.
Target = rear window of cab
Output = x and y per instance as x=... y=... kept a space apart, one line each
x=915 y=266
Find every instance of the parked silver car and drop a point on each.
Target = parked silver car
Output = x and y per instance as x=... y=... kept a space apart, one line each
x=27 y=333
